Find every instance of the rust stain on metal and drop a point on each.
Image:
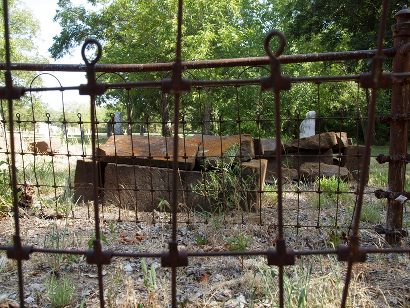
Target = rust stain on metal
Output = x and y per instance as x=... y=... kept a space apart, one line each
x=156 y=151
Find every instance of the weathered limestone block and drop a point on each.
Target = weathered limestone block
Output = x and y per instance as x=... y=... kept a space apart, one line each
x=83 y=180
x=288 y=174
x=294 y=160
x=212 y=148
x=254 y=169
x=154 y=151
x=323 y=141
x=141 y=187
x=352 y=159
x=269 y=147
x=312 y=171
x=342 y=141
x=145 y=188
x=39 y=147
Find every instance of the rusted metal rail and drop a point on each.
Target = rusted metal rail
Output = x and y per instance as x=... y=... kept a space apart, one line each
x=200 y=64
x=281 y=254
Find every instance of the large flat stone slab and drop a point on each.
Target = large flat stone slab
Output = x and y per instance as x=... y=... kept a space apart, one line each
x=313 y=171
x=213 y=147
x=155 y=151
x=295 y=160
x=147 y=188
x=139 y=187
x=323 y=141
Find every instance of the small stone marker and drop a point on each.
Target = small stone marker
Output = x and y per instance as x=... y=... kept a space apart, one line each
x=269 y=147
x=308 y=125
x=353 y=160
x=38 y=147
x=118 y=123
x=83 y=180
x=255 y=168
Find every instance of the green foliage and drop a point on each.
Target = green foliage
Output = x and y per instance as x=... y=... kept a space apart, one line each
x=333 y=190
x=201 y=240
x=371 y=213
x=103 y=238
x=163 y=205
x=239 y=242
x=270 y=193
x=150 y=276
x=6 y=199
x=23 y=27
x=226 y=186
x=315 y=283
x=58 y=239
x=61 y=291
x=130 y=32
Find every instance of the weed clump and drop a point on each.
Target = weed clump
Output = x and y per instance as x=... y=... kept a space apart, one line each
x=6 y=200
x=331 y=190
x=60 y=291
x=226 y=186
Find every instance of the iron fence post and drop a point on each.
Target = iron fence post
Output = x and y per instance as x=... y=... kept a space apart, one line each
x=398 y=127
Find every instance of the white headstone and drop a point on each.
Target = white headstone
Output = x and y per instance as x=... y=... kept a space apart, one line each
x=118 y=123
x=307 y=127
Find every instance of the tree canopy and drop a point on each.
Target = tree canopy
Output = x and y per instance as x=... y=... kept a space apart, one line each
x=23 y=30
x=134 y=31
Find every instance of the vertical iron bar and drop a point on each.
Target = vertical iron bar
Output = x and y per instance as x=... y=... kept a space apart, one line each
x=95 y=194
x=9 y=87
x=398 y=129
x=177 y=73
x=278 y=153
x=376 y=73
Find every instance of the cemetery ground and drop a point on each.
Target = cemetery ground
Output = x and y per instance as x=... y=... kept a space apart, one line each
x=315 y=281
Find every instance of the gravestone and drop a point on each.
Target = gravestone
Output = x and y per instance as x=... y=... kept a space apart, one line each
x=118 y=123
x=308 y=125
x=352 y=159
x=38 y=147
x=83 y=180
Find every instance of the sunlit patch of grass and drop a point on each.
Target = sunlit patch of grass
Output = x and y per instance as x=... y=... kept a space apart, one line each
x=333 y=190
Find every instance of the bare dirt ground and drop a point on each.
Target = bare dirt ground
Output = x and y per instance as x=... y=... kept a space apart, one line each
x=383 y=281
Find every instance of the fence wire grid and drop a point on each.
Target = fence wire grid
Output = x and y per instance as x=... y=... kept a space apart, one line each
x=176 y=161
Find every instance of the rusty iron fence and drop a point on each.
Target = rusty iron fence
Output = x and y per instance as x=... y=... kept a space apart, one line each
x=110 y=171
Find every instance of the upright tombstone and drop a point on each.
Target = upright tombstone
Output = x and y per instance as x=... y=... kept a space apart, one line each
x=308 y=126
x=118 y=123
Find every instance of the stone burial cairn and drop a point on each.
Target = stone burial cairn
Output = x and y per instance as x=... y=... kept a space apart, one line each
x=136 y=173
x=306 y=159
x=215 y=172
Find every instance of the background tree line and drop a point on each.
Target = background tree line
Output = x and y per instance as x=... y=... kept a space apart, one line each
x=135 y=31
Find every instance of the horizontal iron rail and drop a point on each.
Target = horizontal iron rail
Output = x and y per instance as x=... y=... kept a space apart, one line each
x=207 y=83
x=202 y=64
x=306 y=252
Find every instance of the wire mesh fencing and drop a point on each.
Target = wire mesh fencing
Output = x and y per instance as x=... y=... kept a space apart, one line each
x=187 y=171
